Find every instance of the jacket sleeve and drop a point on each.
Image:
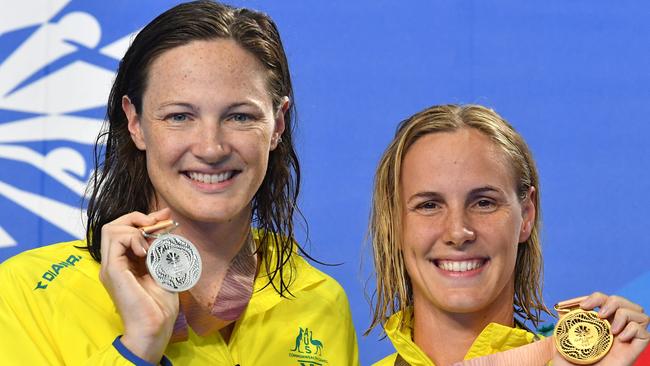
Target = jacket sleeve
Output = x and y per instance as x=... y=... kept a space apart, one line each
x=28 y=335
x=343 y=340
x=351 y=346
x=24 y=336
x=117 y=354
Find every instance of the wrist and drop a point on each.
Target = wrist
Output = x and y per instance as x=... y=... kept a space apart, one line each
x=145 y=349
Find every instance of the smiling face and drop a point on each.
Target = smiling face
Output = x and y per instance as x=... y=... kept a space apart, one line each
x=462 y=222
x=207 y=126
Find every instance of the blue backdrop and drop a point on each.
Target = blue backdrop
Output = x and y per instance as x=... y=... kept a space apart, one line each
x=572 y=76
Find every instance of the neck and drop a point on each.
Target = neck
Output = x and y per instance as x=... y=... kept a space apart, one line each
x=446 y=337
x=216 y=241
x=218 y=244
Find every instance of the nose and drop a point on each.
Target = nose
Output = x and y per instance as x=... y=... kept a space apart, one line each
x=210 y=143
x=458 y=230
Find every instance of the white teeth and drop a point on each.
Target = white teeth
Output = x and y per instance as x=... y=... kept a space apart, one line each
x=460 y=266
x=211 y=178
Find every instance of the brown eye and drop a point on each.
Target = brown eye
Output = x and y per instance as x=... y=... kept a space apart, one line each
x=485 y=204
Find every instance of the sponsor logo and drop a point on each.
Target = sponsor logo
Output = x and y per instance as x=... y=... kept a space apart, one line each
x=53 y=272
x=307 y=350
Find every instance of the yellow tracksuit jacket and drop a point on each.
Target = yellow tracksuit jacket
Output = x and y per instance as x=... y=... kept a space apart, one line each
x=55 y=311
x=494 y=338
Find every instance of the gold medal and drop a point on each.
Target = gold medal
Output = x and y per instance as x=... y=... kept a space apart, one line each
x=581 y=337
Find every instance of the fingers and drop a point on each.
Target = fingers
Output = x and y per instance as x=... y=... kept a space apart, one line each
x=608 y=304
x=124 y=230
x=628 y=321
x=567 y=304
x=633 y=331
x=593 y=301
x=122 y=242
x=137 y=219
x=615 y=303
x=160 y=215
x=122 y=234
x=624 y=316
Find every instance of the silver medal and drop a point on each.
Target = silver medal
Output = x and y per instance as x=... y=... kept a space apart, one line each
x=174 y=262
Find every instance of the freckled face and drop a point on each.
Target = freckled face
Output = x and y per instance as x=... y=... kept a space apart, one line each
x=463 y=222
x=207 y=126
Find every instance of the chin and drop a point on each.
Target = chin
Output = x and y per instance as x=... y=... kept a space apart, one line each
x=215 y=217
x=462 y=303
x=229 y=213
x=206 y=214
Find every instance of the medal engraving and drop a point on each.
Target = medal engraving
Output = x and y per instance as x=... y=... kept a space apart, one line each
x=174 y=263
x=582 y=337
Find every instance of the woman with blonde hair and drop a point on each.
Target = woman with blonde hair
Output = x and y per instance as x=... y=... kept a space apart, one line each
x=455 y=234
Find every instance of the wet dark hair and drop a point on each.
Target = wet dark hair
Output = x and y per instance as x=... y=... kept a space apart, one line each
x=121 y=184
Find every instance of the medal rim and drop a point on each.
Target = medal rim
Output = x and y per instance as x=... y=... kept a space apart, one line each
x=191 y=247
x=588 y=361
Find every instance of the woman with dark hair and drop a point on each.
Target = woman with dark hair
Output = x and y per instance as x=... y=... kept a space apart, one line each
x=455 y=230
x=199 y=131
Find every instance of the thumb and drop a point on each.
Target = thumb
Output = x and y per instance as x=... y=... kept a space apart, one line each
x=164 y=214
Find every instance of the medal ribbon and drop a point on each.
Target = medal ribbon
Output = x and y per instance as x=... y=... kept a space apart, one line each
x=535 y=354
x=230 y=302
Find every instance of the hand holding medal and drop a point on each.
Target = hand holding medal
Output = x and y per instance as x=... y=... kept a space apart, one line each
x=147 y=310
x=615 y=335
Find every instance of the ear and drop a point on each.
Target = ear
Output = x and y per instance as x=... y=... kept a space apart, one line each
x=529 y=213
x=279 y=122
x=133 y=123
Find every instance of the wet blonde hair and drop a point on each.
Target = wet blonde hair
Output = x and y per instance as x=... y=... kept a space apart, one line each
x=394 y=292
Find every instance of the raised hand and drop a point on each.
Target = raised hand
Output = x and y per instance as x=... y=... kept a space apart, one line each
x=629 y=326
x=148 y=311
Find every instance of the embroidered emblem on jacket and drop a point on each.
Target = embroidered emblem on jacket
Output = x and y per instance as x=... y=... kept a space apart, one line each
x=308 y=350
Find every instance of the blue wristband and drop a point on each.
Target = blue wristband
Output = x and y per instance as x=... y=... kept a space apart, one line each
x=137 y=361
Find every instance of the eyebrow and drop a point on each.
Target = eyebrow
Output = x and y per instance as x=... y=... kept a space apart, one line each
x=251 y=104
x=485 y=189
x=227 y=110
x=473 y=192
x=425 y=195
x=177 y=104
